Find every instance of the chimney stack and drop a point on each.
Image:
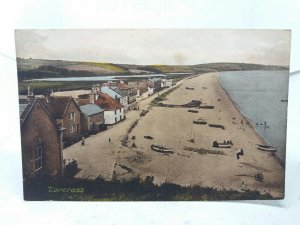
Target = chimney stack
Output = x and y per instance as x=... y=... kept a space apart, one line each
x=92 y=97
x=47 y=97
x=30 y=95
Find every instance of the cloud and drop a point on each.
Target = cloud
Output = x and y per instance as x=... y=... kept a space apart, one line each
x=157 y=46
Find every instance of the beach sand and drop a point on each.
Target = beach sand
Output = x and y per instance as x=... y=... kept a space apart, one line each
x=173 y=128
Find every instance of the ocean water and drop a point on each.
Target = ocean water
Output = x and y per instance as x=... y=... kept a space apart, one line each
x=258 y=95
x=99 y=78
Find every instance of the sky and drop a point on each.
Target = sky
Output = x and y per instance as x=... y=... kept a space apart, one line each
x=156 y=46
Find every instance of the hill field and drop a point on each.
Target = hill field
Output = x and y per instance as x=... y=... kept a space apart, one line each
x=41 y=68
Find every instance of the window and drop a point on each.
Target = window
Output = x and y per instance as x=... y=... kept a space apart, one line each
x=72 y=116
x=38 y=157
x=72 y=128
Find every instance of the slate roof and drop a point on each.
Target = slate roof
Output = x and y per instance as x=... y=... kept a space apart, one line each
x=90 y=109
x=25 y=109
x=110 y=92
x=57 y=105
x=121 y=92
x=22 y=107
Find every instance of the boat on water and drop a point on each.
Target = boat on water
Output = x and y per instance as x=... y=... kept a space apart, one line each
x=264 y=125
x=267 y=148
x=161 y=149
x=284 y=100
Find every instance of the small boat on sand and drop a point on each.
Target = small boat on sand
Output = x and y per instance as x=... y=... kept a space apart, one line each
x=161 y=149
x=266 y=148
x=189 y=88
x=193 y=111
x=205 y=106
x=216 y=126
x=225 y=144
x=200 y=121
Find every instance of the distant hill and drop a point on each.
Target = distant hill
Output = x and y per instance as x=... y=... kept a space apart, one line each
x=41 y=68
x=236 y=67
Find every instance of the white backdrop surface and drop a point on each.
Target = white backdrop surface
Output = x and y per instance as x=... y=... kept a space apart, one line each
x=247 y=14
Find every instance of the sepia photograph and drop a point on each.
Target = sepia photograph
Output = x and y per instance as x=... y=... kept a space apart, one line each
x=153 y=114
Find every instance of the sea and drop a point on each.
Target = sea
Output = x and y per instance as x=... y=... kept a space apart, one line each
x=259 y=95
x=98 y=78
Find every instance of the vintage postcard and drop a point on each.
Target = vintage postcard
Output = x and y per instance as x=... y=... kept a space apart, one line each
x=153 y=114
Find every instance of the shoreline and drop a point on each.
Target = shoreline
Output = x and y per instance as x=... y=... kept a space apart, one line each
x=236 y=105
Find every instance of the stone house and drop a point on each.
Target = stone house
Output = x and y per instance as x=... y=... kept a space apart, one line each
x=67 y=114
x=41 y=141
x=92 y=118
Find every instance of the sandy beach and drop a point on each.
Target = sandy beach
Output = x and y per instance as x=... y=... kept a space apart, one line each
x=173 y=128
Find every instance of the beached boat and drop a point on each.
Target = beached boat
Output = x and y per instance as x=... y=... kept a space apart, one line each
x=221 y=145
x=193 y=111
x=216 y=126
x=205 y=106
x=266 y=148
x=161 y=149
x=200 y=121
x=226 y=144
x=189 y=88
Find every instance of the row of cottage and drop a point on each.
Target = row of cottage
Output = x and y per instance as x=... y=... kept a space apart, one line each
x=49 y=122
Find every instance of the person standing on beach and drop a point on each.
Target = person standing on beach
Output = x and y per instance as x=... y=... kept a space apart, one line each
x=109 y=140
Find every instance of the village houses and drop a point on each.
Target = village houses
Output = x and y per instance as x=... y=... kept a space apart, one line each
x=113 y=110
x=121 y=98
x=92 y=118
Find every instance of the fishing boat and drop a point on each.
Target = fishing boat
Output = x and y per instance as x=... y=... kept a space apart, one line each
x=221 y=145
x=200 y=121
x=267 y=148
x=225 y=144
x=264 y=125
x=205 y=106
x=193 y=111
x=216 y=126
x=161 y=149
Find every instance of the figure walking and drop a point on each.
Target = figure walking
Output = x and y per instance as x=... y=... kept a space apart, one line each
x=82 y=141
x=109 y=140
